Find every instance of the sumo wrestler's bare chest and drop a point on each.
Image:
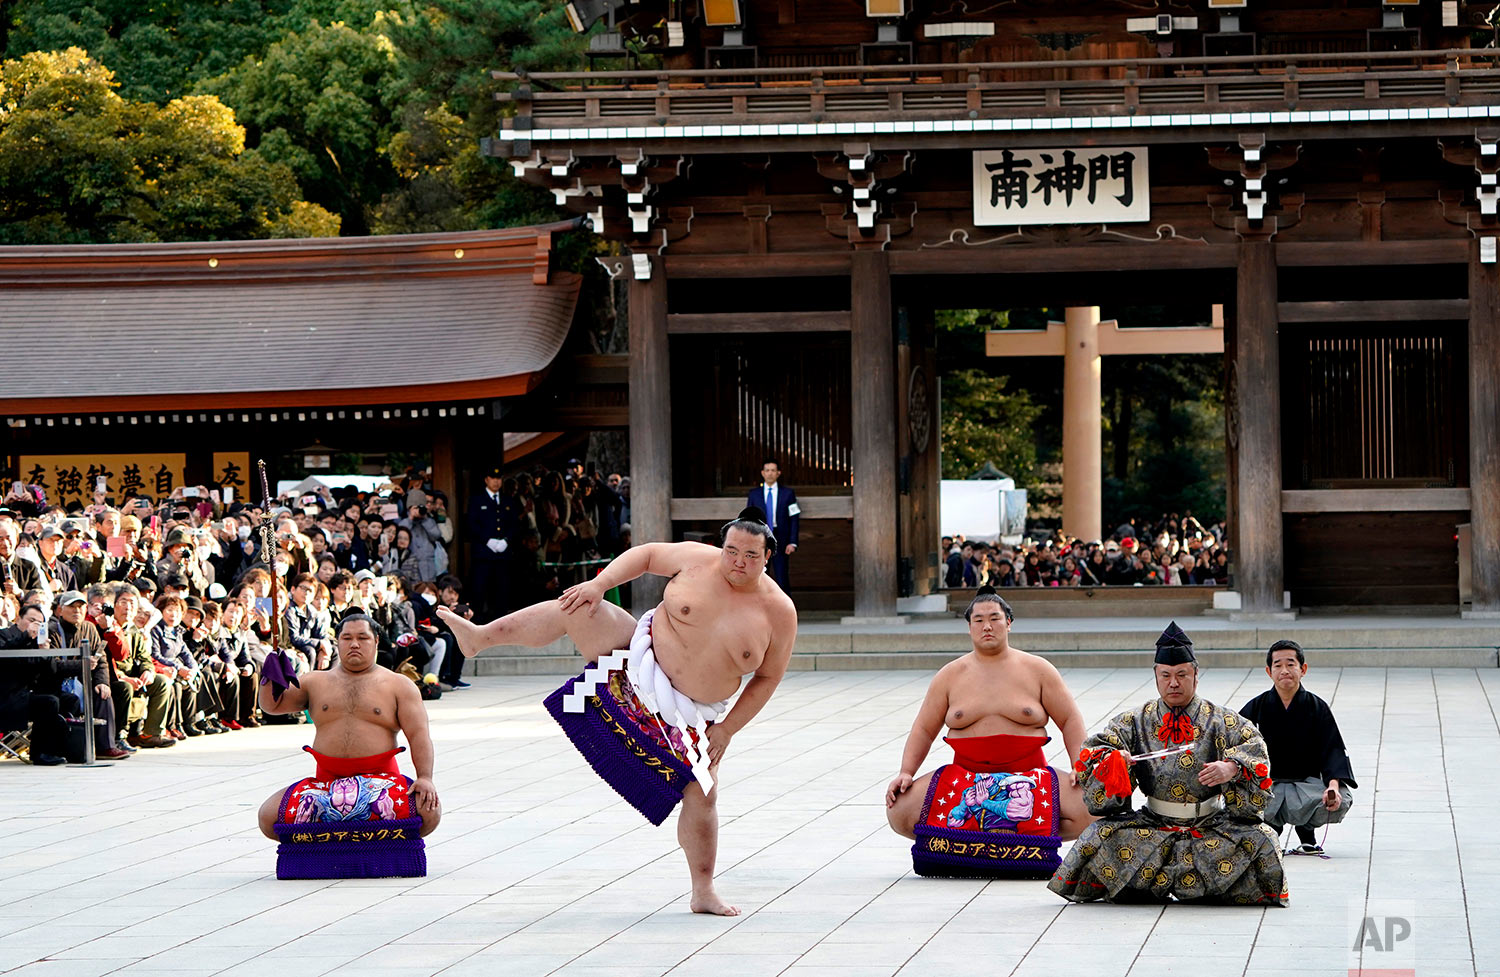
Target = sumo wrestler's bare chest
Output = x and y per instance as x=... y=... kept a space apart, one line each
x=364 y=699
x=1009 y=702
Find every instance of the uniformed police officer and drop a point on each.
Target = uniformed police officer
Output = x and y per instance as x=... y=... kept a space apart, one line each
x=488 y=524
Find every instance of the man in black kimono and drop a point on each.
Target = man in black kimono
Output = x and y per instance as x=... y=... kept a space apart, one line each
x=1310 y=770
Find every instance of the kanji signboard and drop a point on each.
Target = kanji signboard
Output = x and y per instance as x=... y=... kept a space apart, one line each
x=1108 y=185
x=71 y=478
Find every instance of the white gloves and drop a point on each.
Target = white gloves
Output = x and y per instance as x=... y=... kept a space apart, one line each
x=498 y=545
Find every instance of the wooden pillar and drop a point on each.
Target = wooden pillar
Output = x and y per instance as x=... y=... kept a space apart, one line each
x=873 y=413
x=1255 y=381
x=1484 y=433
x=650 y=426
x=1083 y=476
x=917 y=438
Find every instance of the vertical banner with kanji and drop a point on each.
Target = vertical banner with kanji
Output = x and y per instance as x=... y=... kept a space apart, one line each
x=232 y=470
x=1105 y=185
x=71 y=478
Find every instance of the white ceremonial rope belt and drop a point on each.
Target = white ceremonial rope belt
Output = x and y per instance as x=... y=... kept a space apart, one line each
x=1173 y=809
x=656 y=693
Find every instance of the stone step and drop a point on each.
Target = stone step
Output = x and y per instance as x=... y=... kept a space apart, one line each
x=542 y=662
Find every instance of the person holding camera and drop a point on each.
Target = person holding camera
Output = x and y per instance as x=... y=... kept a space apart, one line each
x=30 y=689
x=179 y=559
x=17 y=574
x=425 y=537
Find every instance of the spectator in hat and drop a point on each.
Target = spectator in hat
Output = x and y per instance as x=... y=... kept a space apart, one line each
x=179 y=563
x=59 y=572
x=489 y=524
x=71 y=628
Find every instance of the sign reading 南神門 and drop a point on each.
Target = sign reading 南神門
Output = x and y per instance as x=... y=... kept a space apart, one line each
x=1107 y=185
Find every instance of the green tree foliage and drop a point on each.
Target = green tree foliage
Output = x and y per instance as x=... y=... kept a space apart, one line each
x=982 y=422
x=980 y=321
x=160 y=50
x=323 y=102
x=1163 y=437
x=448 y=49
x=79 y=163
x=377 y=107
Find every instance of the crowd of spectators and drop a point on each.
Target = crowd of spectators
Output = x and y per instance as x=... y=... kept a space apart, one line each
x=1173 y=550
x=174 y=597
x=547 y=529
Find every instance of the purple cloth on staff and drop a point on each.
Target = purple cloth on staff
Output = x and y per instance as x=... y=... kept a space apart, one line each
x=280 y=671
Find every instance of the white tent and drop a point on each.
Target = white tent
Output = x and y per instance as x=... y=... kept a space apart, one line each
x=365 y=483
x=975 y=508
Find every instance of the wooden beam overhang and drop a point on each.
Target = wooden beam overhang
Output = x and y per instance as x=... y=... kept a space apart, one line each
x=1023 y=259
x=1375 y=500
x=1113 y=340
x=756 y=322
x=512 y=386
x=1191 y=93
x=1392 y=310
x=720 y=507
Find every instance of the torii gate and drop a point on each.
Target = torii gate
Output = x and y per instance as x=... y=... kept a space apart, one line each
x=1081 y=340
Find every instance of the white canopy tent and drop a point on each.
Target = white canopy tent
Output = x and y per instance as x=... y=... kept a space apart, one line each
x=983 y=509
x=365 y=483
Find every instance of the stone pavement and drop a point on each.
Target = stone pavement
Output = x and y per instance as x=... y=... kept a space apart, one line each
x=154 y=866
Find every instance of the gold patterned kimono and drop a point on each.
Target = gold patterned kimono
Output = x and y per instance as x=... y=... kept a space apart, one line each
x=1227 y=856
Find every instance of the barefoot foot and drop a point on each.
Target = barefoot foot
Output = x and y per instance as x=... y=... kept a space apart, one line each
x=709 y=902
x=467 y=632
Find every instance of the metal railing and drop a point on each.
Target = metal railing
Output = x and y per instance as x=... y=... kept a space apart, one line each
x=85 y=679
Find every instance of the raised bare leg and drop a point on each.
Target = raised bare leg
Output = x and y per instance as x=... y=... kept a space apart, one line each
x=698 y=834
x=908 y=807
x=608 y=629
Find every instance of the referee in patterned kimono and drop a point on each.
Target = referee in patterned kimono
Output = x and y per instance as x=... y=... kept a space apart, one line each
x=1311 y=778
x=1206 y=777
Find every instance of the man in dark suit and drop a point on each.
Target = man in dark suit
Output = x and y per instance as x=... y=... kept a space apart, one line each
x=783 y=515
x=486 y=523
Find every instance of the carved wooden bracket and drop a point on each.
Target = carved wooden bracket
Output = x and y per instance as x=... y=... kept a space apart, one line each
x=1251 y=214
x=1482 y=215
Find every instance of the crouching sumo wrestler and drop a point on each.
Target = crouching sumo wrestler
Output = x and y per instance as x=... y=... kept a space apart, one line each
x=357 y=816
x=998 y=810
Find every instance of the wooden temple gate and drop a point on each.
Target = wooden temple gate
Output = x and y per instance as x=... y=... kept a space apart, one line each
x=788 y=224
